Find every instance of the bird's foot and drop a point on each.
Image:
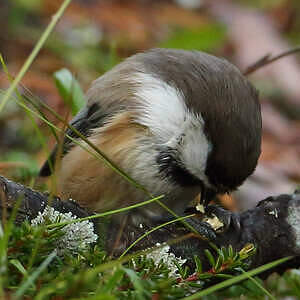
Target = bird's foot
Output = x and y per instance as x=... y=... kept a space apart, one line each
x=226 y=218
x=202 y=228
x=213 y=219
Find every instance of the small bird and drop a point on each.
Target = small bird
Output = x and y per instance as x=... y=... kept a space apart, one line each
x=178 y=122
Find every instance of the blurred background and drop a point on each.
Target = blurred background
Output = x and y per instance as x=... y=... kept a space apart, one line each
x=94 y=35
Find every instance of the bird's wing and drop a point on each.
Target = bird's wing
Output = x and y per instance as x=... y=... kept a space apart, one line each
x=88 y=118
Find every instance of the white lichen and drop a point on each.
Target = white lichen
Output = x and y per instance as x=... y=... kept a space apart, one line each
x=77 y=236
x=163 y=255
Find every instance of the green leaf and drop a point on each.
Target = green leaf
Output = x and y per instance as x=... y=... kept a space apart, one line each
x=210 y=257
x=19 y=266
x=230 y=251
x=183 y=271
x=31 y=279
x=69 y=90
x=226 y=276
x=198 y=263
x=219 y=262
x=137 y=283
x=224 y=252
x=112 y=283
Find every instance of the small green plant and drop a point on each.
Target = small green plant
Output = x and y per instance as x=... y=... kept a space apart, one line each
x=69 y=90
x=35 y=267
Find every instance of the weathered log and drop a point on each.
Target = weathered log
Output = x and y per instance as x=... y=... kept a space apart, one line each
x=273 y=226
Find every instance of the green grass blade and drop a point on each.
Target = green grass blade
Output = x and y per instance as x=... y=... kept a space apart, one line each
x=210 y=258
x=198 y=263
x=31 y=278
x=35 y=101
x=34 y=53
x=41 y=138
x=258 y=284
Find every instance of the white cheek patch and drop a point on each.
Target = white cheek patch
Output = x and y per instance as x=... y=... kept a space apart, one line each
x=195 y=148
x=163 y=110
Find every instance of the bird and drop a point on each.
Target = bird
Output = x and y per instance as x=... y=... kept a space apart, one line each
x=179 y=122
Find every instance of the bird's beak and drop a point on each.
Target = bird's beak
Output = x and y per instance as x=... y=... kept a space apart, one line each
x=207 y=195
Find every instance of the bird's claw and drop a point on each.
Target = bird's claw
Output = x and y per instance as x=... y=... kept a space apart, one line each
x=202 y=228
x=225 y=216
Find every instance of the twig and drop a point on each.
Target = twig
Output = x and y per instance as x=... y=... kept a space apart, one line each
x=267 y=59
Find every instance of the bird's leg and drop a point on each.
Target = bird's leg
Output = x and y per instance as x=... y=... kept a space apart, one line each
x=202 y=228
